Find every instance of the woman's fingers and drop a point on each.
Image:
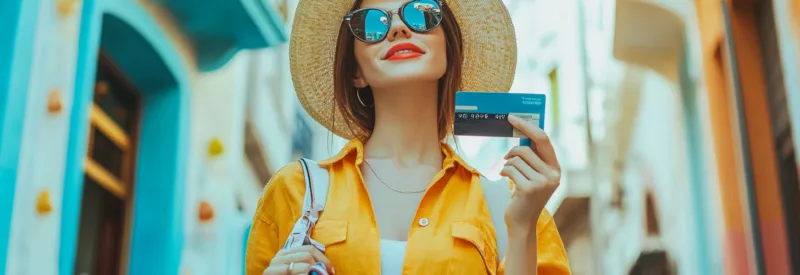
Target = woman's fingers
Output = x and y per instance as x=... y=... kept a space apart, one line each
x=313 y=252
x=521 y=183
x=512 y=173
x=526 y=154
x=525 y=169
x=283 y=269
x=542 y=141
x=297 y=257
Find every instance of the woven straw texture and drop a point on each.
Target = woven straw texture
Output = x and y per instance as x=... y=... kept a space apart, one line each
x=489 y=41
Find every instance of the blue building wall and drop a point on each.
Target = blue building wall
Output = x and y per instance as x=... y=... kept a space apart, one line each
x=707 y=244
x=17 y=21
x=143 y=51
x=131 y=36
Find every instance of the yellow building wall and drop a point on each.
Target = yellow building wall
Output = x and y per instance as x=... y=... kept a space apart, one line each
x=760 y=148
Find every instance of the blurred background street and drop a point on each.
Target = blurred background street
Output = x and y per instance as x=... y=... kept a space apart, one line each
x=136 y=136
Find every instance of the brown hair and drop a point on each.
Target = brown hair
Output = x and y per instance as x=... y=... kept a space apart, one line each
x=363 y=117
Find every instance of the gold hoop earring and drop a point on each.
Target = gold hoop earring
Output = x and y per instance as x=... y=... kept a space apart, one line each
x=358 y=95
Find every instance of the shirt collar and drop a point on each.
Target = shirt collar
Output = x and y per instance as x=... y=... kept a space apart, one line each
x=355 y=149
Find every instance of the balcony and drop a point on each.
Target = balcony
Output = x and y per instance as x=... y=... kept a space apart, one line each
x=650 y=33
x=221 y=28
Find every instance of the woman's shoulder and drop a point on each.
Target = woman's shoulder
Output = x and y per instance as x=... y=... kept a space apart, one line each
x=284 y=191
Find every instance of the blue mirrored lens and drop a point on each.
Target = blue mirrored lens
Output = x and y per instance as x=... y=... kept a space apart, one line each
x=370 y=25
x=422 y=15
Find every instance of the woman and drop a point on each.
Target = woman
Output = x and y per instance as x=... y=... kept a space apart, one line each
x=384 y=73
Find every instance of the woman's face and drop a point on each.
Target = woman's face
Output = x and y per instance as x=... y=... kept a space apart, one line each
x=403 y=56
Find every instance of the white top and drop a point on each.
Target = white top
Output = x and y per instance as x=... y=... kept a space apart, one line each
x=393 y=254
x=498 y=197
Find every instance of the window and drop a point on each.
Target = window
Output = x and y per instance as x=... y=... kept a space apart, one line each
x=302 y=138
x=651 y=216
x=554 y=99
x=254 y=153
x=108 y=173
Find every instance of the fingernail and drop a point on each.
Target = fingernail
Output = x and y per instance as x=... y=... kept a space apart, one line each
x=333 y=271
x=513 y=118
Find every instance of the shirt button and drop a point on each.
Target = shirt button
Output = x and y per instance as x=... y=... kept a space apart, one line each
x=423 y=222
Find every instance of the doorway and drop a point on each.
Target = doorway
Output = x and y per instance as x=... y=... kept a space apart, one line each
x=103 y=234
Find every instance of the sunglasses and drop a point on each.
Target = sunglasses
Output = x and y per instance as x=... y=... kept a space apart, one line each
x=371 y=25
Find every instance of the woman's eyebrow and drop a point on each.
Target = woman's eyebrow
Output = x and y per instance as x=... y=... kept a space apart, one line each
x=387 y=6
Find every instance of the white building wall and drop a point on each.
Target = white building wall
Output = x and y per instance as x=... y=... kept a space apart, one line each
x=218 y=103
x=657 y=159
x=655 y=162
x=255 y=86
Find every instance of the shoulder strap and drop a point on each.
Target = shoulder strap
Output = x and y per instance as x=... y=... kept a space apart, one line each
x=497 y=204
x=316 y=185
x=316 y=180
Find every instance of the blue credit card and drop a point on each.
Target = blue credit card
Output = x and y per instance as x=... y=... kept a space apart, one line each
x=486 y=114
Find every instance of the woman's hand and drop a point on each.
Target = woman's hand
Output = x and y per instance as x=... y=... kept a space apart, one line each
x=297 y=260
x=535 y=176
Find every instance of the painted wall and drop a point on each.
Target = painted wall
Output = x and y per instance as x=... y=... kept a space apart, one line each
x=64 y=47
x=17 y=25
x=34 y=239
x=255 y=86
x=217 y=100
x=735 y=228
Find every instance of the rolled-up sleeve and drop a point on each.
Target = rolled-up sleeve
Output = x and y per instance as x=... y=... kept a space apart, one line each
x=551 y=254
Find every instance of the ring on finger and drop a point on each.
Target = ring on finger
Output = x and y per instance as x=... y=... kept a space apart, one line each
x=290 y=268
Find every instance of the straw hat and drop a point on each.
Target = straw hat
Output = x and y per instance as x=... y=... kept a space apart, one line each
x=489 y=48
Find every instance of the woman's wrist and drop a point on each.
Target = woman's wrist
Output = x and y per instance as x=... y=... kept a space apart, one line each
x=519 y=232
x=522 y=254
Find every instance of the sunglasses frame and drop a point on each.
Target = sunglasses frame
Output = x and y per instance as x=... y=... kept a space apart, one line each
x=389 y=14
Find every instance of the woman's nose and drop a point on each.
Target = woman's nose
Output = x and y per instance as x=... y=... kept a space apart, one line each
x=398 y=29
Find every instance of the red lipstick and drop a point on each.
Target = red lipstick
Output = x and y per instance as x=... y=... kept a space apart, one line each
x=403 y=51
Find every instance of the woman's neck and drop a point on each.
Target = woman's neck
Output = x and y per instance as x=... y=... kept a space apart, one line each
x=406 y=125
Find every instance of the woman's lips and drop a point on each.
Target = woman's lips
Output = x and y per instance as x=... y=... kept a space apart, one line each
x=404 y=55
x=403 y=51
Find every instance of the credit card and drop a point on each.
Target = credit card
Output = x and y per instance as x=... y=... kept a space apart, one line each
x=486 y=114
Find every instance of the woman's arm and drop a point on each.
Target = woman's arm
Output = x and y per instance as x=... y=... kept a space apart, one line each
x=541 y=244
x=536 y=250
x=262 y=245
x=275 y=207
x=536 y=245
x=522 y=252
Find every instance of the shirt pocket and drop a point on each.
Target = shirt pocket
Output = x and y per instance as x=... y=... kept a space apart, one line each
x=472 y=250
x=330 y=232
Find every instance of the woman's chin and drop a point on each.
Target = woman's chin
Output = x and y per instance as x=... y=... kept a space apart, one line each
x=396 y=79
x=411 y=72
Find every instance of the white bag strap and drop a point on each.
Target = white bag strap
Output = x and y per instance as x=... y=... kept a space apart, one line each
x=497 y=204
x=316 y=185
x=316 y=179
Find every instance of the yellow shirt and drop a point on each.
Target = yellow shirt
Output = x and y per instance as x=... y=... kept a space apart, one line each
x=458 y=239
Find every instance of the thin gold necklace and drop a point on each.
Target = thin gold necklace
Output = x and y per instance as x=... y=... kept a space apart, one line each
x=387 y=185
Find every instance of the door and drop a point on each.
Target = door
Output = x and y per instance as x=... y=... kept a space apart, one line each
x=108 y=174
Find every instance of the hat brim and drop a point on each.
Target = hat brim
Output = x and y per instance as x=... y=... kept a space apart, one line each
x=488 y=39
